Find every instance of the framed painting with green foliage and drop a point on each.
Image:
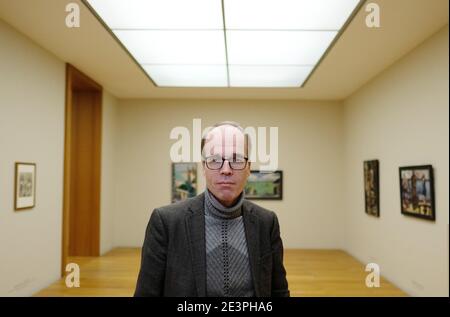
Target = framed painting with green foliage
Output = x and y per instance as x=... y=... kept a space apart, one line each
x=371 y=188
x=264 y=185
x=417 y=191
x=184 y=181
x=25 y=186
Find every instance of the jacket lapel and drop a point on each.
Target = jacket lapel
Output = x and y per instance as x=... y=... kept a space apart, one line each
x=251 y=225
x=195 y=225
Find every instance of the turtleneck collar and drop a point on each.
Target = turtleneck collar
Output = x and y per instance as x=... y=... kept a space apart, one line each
x=219 y=210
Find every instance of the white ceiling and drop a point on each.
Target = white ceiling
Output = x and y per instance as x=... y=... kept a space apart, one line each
x=360 y=54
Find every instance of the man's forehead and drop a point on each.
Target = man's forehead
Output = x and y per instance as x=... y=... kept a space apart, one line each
x=218 y=147
x=229 y=150
x=225 y=139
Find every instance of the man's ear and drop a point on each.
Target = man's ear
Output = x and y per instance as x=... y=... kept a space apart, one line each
x=203 y=167
x=249 y=168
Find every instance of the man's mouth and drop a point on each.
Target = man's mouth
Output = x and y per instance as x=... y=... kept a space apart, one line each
x=225 y=183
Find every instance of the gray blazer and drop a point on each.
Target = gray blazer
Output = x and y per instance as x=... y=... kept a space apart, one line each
x=173 y=259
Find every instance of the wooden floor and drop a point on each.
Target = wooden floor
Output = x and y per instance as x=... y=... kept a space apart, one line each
x=309 y=273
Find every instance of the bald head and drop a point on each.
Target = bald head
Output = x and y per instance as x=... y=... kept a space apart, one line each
x=226 y=138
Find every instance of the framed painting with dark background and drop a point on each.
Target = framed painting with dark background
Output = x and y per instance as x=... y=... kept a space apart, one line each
x=417 y=191
x=184 y=181
x=264 y=185
x=24 y=186
x=372 y=188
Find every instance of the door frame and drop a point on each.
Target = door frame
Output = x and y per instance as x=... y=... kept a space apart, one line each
x=78 y=81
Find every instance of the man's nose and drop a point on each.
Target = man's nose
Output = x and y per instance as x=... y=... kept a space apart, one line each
x=226 y=169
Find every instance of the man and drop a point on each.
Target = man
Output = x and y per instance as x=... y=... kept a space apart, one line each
x=217 y=243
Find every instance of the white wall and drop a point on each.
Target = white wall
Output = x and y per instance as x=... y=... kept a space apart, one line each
x=310 y=152
x=32 y=110
x=401 y=119
x=32 y=84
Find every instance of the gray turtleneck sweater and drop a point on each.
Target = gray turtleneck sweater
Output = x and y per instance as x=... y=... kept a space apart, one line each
x=227 y=263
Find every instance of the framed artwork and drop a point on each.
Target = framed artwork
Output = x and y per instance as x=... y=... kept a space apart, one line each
x=24 y=186
x=417 y=191
x=184 y=181
x=264 y=185
x=371 y=188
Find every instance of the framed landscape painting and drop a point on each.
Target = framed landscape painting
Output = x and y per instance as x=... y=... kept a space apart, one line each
x=417 y=191
x=184 y=181
x=264 y=185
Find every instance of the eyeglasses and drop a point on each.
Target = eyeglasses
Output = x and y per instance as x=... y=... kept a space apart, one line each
x=216 y=162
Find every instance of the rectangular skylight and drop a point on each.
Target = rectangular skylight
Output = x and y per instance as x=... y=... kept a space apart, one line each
x=160 y=14
x=268 y=76
x=188 y=75
x=277 y=48
x=288 y=14
x=174 y=47
x=226 y=43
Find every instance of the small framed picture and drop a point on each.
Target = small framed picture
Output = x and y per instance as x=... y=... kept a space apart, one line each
x=184 y=181
x=371 y=188
x=417 y=191
x=25 y=186
x=264 y=185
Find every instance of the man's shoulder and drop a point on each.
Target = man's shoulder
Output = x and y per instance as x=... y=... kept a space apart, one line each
x=259 y=211
x=180 y=208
